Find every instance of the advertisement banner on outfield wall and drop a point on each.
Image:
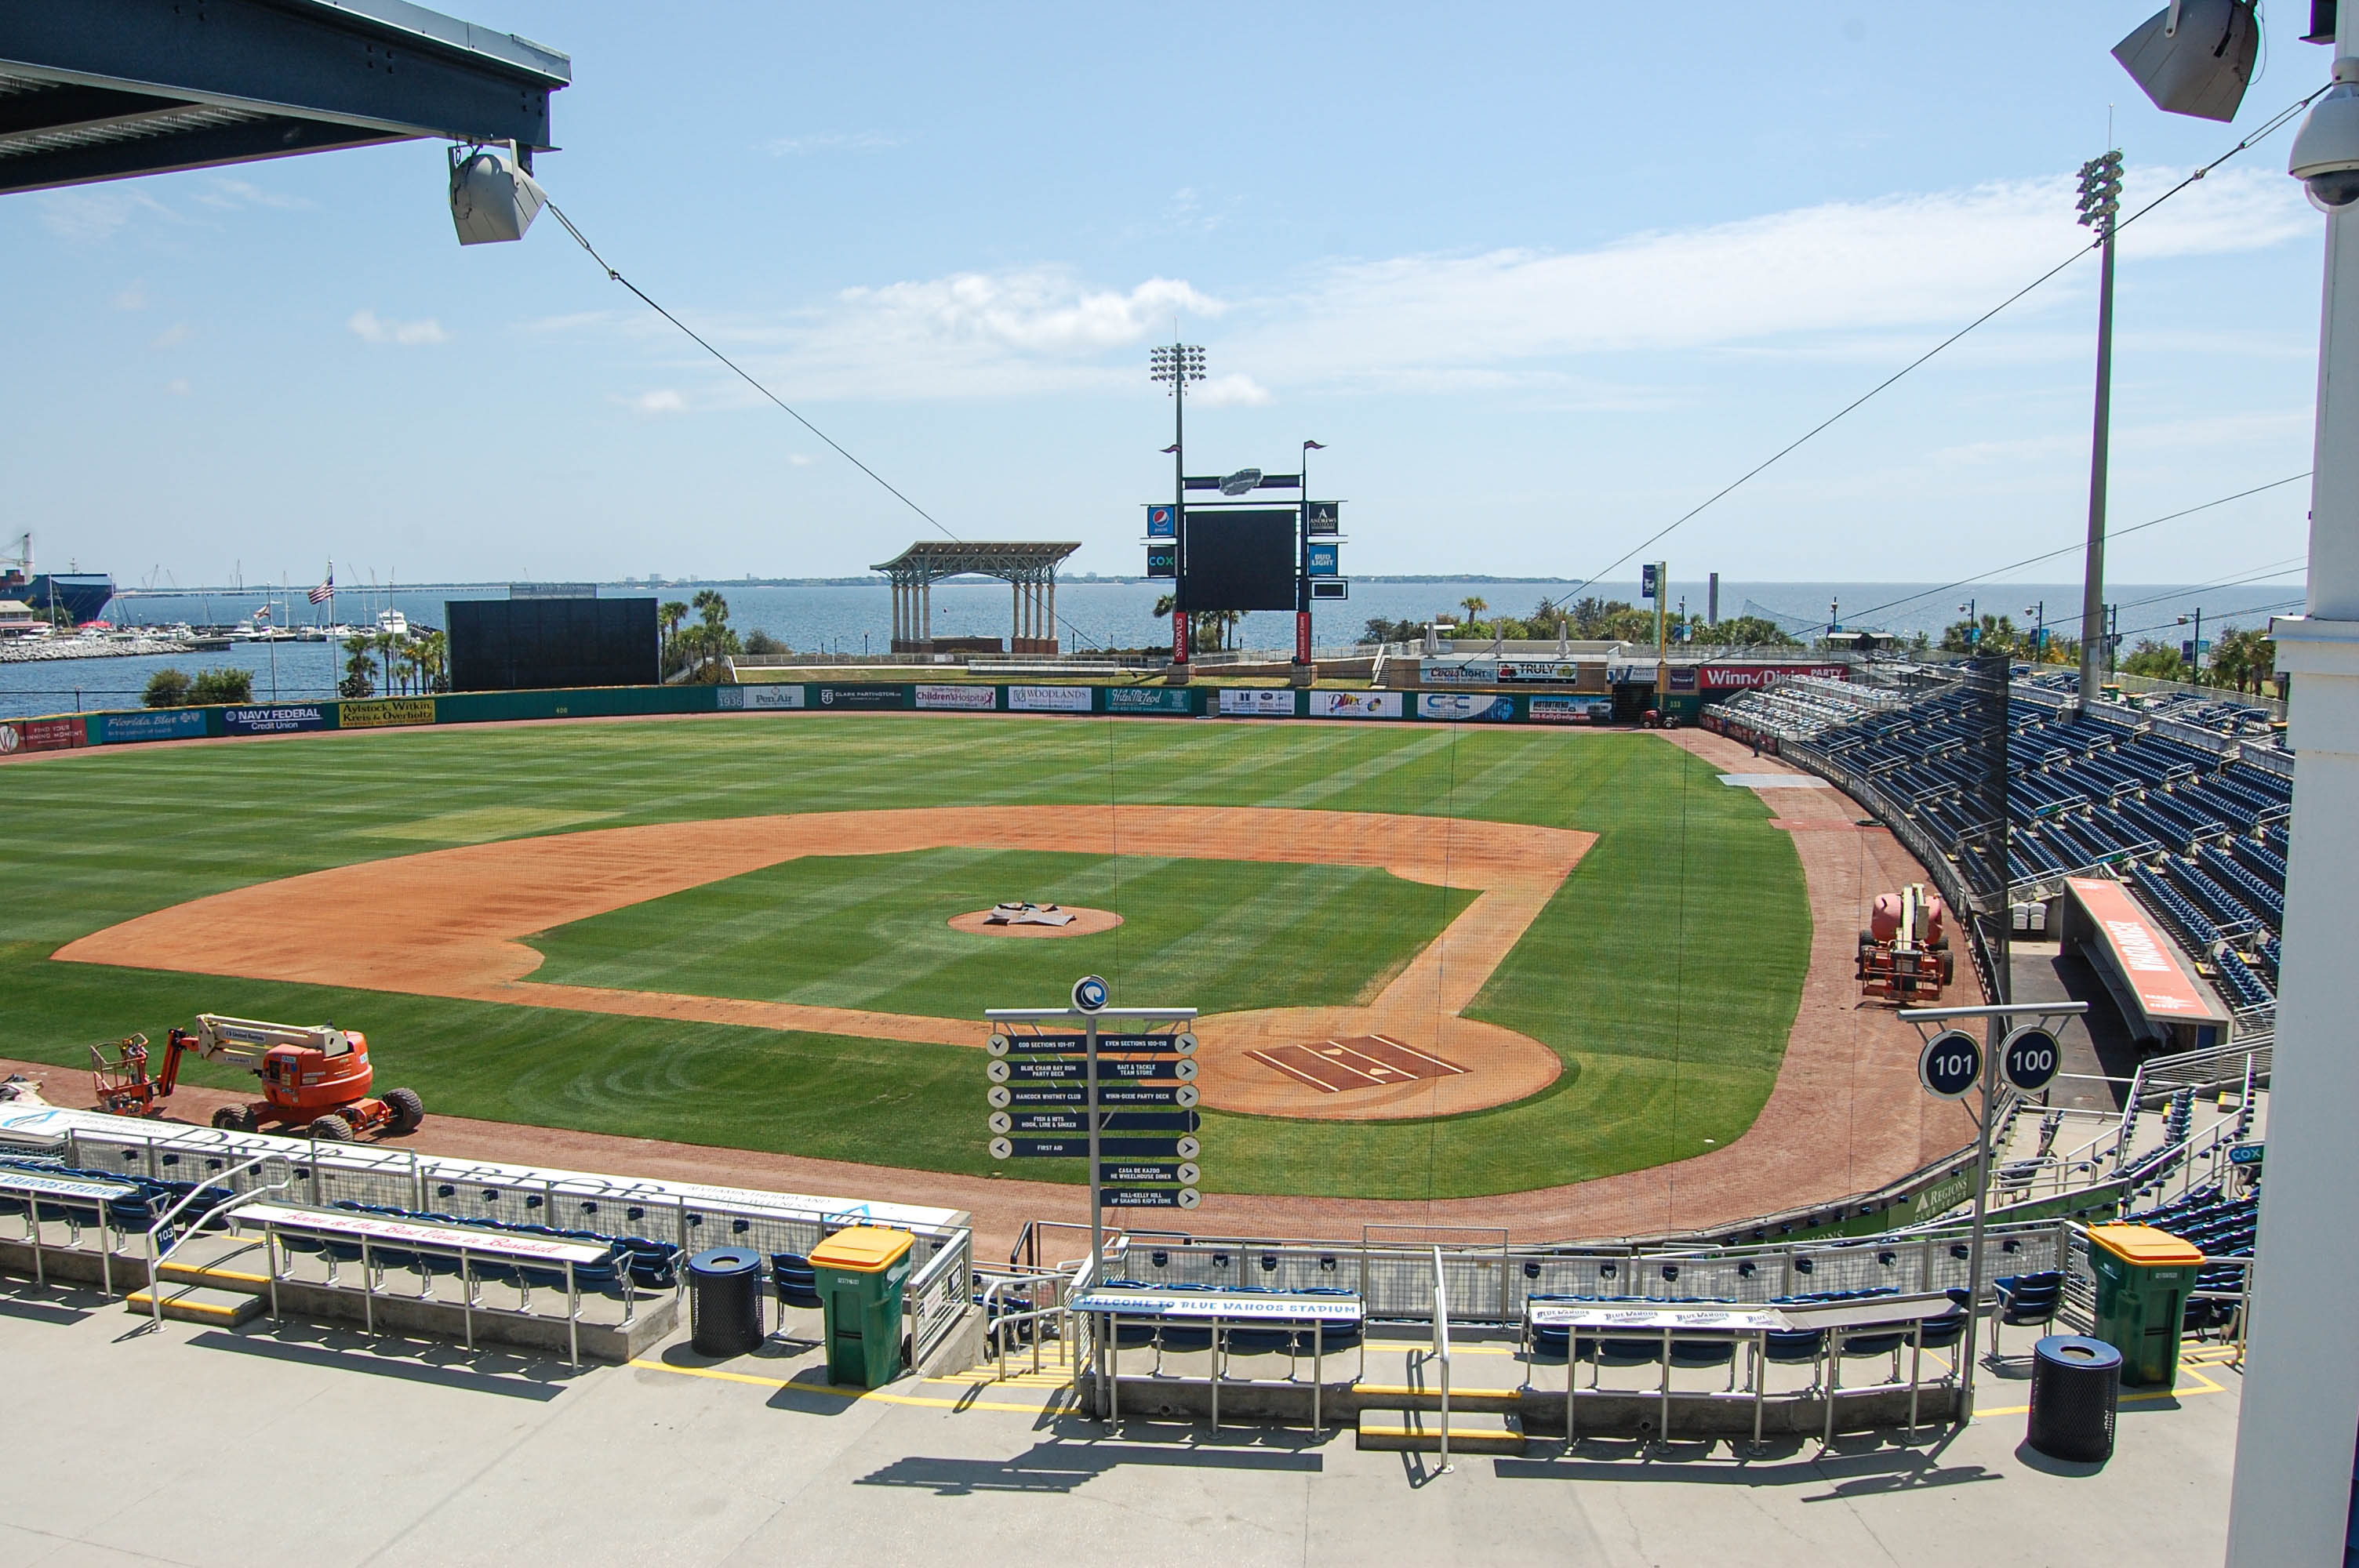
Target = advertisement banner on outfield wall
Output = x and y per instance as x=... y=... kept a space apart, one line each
x=1149 y=699
x=1553 y=708
x=1048 y=699
x=1257 y=701
x=1745 y=677
x=275 y=720
x=959 y=698
x=844 y=698
x=386 y=713
x=1468 y=707
x=44 y=735
x=1355 y=705
x=771 y=696
x=155 y=724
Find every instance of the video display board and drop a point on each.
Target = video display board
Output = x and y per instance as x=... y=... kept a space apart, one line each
x=1240 y=560
x=526 y=644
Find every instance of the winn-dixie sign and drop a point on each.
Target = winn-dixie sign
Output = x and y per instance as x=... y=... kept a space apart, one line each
x=2163 y=989
x=1745 y=677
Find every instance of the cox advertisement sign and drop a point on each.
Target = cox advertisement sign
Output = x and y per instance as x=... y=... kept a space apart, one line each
x=1048 y=699
x=959 y=698
x=1355 y=705
x=1259 y=701
x=767 y=698
x=1466 y=706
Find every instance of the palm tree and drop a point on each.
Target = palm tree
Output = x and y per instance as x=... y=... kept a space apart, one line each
x=1476 y=605
x=712 y=607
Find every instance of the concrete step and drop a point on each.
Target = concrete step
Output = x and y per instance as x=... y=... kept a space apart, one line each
x=219 y=1276
x=1415 y=1431
x=200 y=1304
x=1426 y=1397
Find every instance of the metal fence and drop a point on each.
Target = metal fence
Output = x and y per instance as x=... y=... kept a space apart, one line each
x=1492 y=1282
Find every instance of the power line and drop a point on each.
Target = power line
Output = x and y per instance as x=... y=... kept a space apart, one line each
x=742 y=373
x=2268 y=127
x=2078 y=547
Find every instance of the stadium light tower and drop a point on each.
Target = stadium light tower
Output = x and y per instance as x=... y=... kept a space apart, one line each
x=2292 y=1498
x=2101 y=204
x=1175 y=364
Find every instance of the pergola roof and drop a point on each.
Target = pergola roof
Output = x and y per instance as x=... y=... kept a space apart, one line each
x=94 y=90
x=929 y=560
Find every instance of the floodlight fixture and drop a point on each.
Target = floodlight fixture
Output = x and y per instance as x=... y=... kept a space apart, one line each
x=1175 y=364
x=494 y=196
x=2195 y=56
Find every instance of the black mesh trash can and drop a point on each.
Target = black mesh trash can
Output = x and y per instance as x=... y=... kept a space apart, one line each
x=2075 y=1385
x=724 y=1301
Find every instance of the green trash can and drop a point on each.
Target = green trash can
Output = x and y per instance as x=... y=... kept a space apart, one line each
x=860 y=1274
x=2144 y=1276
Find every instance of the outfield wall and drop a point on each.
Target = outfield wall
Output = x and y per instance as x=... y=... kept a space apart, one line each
x=73 y=731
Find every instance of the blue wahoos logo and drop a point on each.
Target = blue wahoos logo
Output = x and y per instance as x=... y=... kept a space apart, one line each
x=1089 y=993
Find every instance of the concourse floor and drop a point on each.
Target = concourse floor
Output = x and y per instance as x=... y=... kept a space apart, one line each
x=292 y=1442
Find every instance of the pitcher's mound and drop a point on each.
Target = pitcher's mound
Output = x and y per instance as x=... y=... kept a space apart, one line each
x=992 y=922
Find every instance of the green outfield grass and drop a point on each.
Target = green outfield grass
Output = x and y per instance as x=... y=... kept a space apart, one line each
x=1666 y=972
x=872 y=930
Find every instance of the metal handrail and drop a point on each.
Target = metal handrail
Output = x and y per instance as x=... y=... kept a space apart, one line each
x=155 y=1260
x=1441 y=1349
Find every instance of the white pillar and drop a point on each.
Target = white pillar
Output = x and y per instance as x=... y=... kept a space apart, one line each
x=2292 y=1499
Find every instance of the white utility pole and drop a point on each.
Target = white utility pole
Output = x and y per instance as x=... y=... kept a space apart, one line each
x=2294 y=1440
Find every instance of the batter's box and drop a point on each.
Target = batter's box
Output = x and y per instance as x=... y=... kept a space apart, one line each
x=1360 y=1062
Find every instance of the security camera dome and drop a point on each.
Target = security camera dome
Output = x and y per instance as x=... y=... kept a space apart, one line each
x=2326 y=153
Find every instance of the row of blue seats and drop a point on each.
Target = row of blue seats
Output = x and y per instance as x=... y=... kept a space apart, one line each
x=651 y=1264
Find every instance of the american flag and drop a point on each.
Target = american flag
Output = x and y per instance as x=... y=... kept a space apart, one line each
x=326 y=590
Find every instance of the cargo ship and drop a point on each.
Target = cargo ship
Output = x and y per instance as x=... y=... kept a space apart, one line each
x=82 y=595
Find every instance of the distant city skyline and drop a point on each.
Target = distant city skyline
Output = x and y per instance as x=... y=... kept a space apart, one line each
x=1538 y=298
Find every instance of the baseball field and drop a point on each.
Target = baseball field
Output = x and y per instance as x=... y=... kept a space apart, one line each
x=1434 y=962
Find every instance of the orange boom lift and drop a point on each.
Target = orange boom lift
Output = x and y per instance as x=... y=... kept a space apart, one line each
x=1904 y=953
x=315 y=1077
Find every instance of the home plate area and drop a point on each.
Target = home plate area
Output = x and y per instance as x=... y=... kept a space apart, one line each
x=1357 y=1061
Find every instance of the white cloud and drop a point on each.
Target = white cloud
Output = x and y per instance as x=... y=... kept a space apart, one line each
x=1040 y=311
x=801 y=460
x=95 y=212
x=1229 y=391
x=133 y=298
x=178 y=386
x=1840 y=270
x=231 y=195
x=1874 y=282
x=370 y=328
x=662 y=400
x=173 y=336
x=833 y=142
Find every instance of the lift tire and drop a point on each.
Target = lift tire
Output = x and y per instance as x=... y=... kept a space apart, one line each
x=1867 y=939
x=330 y=1129
x=234 y=1118
x=406 y=1108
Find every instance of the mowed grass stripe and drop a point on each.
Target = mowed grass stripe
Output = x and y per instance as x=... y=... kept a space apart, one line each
x=873 y=932
x=1665 y=973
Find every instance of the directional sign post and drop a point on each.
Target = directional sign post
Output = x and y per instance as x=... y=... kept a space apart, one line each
x=1051 y=1094
x=1952 y=1063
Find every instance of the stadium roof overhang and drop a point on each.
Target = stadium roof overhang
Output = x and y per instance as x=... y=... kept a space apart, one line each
x=94 y=90
x=932 y=560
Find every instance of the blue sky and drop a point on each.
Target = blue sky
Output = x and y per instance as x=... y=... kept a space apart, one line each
x=1543 y=278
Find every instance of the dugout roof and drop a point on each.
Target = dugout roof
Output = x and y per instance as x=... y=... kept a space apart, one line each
x=94 y=90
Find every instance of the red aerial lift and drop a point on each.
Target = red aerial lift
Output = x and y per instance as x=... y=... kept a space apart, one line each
x=315 y=1077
